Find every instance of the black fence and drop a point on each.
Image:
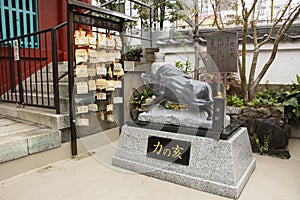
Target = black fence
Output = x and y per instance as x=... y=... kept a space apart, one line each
x=29 y=76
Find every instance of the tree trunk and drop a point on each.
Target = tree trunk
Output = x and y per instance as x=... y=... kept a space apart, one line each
x=267 y=64
x=243 y=66
x=251 y=90
x=162 y=16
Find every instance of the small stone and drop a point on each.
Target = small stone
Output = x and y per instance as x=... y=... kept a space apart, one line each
x=265 y=112
x=277 y=112
x=252 y=113
x=234 y=117
x=230 y=110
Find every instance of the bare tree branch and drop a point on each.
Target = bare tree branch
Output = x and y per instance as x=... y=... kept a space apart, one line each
x=278 y=19
x=214 y=7
x=287 y=24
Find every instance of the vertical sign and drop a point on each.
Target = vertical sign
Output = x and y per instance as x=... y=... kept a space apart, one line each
x=218 y=114
x=222 y=49
x=16 y=50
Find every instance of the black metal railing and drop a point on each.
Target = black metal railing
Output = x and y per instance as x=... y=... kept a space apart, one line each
x=29 y=76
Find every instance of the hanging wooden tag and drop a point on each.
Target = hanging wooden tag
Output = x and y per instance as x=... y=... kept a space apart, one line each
x=110 y=118
x=83 y=122
x=91 y=72
x=101 y=96
x=101 y=81
x=109 y=107
x=110 y=56
x=118 y=100
x=110 y=43
x=102 y=116
x=92 y=85
x=118 y=43
x=101 y=70
x=92 y=53
x=117 y=66
x=81 y=55
x=92 y=39
x=79 y=33
x=110 y=85
x=93 y=107
x=82 y=88
x=118 y=84
x=81 y=71
x=117 y=55
x=82 y=109
x=102 y=40
x=101 y=56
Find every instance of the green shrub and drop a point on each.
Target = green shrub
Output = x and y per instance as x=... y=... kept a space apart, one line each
x=291 y=101
x=139 y=98
x=234 y=100
x=185 y=67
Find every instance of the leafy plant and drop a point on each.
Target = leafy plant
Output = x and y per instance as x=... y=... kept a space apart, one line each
x=133 y=54
x=234 y=100
x=291 y=101
x=139 y=98
x=175 y=106
x=185 y=67
x=266 y=98
x=264 y=145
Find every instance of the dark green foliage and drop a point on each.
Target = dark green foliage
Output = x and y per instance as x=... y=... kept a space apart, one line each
x=139 y=98
x=291 y=101
x=266 y=98
x=134 y=54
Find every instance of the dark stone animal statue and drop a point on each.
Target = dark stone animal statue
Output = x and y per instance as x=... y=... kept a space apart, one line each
x=169 y=83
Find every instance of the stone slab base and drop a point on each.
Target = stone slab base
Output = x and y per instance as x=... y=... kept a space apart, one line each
x=26 y=143
x=220 y=167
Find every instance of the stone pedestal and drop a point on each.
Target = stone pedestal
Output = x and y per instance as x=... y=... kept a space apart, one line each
x=220 y=167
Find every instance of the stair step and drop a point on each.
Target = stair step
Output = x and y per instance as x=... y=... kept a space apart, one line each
x=46 y=73
x=62 y=67
x=45 y=77
x=19 y=138
x=64 y=101
x=41 y=116
x=63 y=88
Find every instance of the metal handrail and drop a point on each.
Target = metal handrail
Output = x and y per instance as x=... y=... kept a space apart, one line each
x=20 y=77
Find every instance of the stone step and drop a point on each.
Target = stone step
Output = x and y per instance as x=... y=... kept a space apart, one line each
x=64 y=101
x=62 y=67
x=39 y=87
x=46 y=73
x=41 y=116
x=20 y=138
x=43 y=77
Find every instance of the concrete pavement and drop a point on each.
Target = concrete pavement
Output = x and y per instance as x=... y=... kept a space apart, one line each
x=91 y=176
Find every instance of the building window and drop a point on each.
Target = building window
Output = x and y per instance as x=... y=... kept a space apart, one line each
x=19 y=17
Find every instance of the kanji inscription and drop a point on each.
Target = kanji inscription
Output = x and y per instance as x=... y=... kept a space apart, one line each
x=170 y=150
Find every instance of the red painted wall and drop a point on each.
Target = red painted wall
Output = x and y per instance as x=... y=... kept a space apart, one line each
x=52 y=13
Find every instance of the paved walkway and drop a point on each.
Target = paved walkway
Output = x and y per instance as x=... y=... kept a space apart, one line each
x=91 y=177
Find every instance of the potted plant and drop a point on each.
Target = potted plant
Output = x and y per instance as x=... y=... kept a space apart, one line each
x=138 y=101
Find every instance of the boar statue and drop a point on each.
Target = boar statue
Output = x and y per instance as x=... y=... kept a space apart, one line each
x=169 y=83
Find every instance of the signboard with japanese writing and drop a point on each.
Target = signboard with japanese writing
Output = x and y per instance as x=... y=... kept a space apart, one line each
x=175 y=151
x=222 y=50
x=16 y=50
